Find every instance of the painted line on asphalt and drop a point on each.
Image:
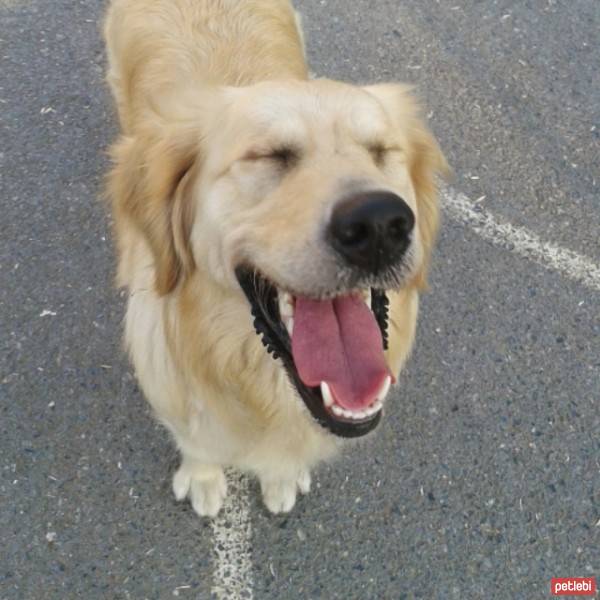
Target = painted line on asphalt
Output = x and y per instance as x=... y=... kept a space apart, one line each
x=232 y=549
x=521 y=241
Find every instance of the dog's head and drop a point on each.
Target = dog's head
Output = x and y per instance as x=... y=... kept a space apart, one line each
x=314 y=199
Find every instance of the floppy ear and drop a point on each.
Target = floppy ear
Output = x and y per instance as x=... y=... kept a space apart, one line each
x=150 y=186
x=425 y=160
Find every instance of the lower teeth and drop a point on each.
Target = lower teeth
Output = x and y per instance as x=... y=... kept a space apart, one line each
x=338 y=411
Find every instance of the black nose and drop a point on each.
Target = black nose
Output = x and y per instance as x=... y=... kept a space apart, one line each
x=372 y=230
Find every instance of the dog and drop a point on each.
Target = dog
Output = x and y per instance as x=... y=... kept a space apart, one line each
x=273 y=233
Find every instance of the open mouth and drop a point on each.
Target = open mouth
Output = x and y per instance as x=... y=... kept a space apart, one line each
x=332 y=350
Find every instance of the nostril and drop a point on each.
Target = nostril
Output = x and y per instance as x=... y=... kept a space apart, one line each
x=399 y=228
x=354 y=234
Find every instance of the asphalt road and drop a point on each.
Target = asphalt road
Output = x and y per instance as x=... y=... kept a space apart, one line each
x=484 y=480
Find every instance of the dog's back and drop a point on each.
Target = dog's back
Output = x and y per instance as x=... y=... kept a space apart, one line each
x=158 y=45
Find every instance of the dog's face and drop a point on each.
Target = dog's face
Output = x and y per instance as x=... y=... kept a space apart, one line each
x=291 y=170
x=315 y=198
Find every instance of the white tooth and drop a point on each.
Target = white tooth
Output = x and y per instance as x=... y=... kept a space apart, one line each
x=286 y=310
x=326 y=393
x=337 y=410
x=367 y=297
x=377 y=407
x=286 y=305
x=385 y=388
x=360 y=415
x=289 y=325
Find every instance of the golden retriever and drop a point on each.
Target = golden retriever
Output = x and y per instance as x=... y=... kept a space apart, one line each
x=273 y=234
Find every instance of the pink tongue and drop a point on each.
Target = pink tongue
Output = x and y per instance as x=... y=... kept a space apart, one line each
x=339 y=341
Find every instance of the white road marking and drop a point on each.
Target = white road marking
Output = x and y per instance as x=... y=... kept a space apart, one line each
x=521 y=241
x=232 y=532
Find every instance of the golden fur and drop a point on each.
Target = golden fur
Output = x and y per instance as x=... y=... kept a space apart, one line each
x=205 y=89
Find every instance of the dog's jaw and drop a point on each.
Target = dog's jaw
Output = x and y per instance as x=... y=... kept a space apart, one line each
x=273 y=316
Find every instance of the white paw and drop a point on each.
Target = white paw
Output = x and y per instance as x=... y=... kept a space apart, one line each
x=304 y=481
x=181 y=483
x=279 y=496
x=206 y=489
x=207 y=496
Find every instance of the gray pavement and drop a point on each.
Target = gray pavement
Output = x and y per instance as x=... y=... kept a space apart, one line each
x=483 y=481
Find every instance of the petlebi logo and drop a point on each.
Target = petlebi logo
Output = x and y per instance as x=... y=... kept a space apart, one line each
x=573 y=586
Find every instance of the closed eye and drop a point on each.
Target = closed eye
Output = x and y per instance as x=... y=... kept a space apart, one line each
x=286 y=156
x=380 y=152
